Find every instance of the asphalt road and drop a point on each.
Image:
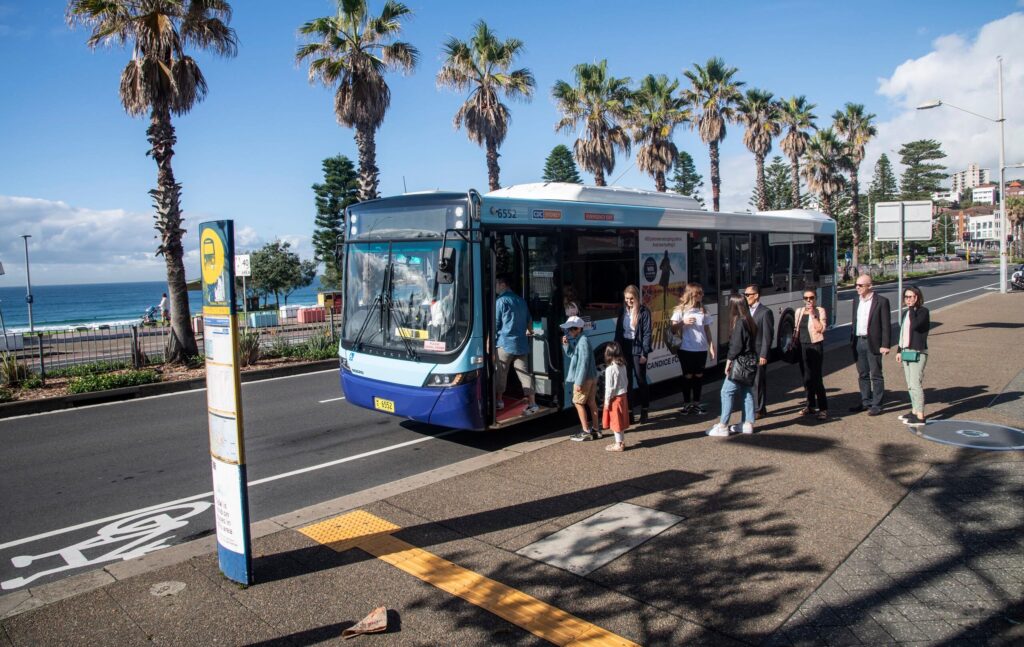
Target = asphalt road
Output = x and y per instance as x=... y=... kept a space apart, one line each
x=82 y=488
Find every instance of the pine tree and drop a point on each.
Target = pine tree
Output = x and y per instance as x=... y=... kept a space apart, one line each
x=339 y=189
x=777 y=185
x=560 y=166
x=685 y=178
x=884 y=188
x=922 y=177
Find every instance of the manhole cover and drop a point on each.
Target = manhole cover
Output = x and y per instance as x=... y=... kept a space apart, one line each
x=976 y=435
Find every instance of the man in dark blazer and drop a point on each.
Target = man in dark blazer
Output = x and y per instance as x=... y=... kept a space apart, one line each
x=765 y=321
x=869 y=340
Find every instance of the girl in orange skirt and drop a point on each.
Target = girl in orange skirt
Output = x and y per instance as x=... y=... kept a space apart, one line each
x=616 y=403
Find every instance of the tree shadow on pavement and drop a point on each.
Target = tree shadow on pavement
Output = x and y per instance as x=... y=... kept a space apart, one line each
x=944 y=567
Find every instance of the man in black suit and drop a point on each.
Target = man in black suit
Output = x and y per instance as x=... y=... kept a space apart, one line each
x=869 y=340
x=765 y=321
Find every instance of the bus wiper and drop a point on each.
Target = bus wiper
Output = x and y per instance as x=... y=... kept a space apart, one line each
x=396 y=313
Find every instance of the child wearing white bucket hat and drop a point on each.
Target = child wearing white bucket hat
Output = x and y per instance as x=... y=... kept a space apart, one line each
x=582 y=374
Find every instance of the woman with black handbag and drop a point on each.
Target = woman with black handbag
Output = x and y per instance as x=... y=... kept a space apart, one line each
x=913 y=351
x=740 y=367
x=809 y=335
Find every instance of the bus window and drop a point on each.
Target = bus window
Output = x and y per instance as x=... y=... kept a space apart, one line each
x=826 y=255
x=759 y=261
x=598 y=266
x=805 y=266
x=776 y=265
x=702 y=263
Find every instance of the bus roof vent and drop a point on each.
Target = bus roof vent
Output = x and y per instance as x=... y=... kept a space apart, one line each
x=596 y=194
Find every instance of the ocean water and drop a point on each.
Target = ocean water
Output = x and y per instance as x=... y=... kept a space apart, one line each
x=70 y=306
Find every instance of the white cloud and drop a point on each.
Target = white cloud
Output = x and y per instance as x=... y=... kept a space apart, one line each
x=962 y=72
x=70 y=245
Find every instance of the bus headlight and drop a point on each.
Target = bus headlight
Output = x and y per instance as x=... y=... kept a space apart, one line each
x=450 y=379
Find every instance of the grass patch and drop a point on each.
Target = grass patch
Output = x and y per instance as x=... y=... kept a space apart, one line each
x=107 y=381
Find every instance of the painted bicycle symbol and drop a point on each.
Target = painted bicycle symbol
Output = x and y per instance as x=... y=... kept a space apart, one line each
x=133 y=536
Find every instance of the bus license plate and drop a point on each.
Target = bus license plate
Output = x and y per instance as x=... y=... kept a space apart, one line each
x=384 y=405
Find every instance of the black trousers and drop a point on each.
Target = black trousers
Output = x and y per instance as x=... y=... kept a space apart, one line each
x=869 y=374
x=637 y=372
x=760 y=389
x=812 y=356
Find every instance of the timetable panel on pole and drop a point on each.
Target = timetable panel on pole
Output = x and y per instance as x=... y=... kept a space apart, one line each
x=224 y=400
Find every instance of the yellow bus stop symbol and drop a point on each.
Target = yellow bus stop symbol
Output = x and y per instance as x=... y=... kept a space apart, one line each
x=212 y=250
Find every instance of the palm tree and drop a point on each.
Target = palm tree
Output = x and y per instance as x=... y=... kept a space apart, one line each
x=797 y=119
x=161 y=80
x=601 y=103
x=654 y=114
x=856 y=127
x=825 y=159
x=760 y=114
x=482 y=64
x=353 y=50
x=713 y=95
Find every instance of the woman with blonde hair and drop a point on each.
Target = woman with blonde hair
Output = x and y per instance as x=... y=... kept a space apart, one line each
x=633 y=335
x=691 y=325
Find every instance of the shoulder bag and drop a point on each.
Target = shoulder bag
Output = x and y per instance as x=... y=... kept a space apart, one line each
x=908 y=355
x=744 y=368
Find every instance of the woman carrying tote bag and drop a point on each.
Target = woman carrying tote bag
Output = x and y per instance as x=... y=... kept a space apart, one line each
x=740 y=365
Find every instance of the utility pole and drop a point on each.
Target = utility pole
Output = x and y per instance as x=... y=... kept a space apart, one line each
x=28 y=285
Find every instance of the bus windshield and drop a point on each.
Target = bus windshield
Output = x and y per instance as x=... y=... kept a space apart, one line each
x=393 y=301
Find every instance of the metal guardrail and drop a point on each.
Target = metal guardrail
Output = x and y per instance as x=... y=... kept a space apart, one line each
x=53 y=351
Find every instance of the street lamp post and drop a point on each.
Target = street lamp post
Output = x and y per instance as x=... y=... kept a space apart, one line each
x=28 y=285
x=935 y=103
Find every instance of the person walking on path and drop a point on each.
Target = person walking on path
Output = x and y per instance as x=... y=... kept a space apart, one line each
x=165 y=312
x=869 y=340
x=765 y=321
x=616 y=402
x=692 y=324
x=742 y=341
x=913 y=351
x=633 y=335
x=582 y=374
x=810 y=332
x=511 y=318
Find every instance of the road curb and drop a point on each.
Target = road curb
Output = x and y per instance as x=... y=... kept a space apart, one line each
x=43 y=405
x=851 y=288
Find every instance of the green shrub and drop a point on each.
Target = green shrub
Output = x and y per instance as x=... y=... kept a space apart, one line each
x=6 y=395
x=32 y=382
x=318 y=347
x=94 y=368
x=196 y=361
x=248 y=347
x=107 y=381
x=12 y=371
x=280 y=347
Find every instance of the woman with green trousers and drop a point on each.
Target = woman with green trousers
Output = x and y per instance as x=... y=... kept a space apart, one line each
x=913 y=351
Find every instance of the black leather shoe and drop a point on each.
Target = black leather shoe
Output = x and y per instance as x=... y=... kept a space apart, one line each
x=643 y=416
x=857 y=409
x=874 y=411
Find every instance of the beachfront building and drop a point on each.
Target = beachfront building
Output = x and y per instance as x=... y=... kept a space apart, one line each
x=946 y=195
x=969 y=178
x=985 y=194
x=1014 y=189
x=984 y=230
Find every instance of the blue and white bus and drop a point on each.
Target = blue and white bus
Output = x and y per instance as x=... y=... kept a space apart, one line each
x=419 y=275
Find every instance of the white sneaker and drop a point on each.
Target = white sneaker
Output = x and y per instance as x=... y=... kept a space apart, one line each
x=718 y=430
x=748 y=428
x=530 y=410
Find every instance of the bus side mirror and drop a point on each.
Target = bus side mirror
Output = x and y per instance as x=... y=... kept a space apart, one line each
x=446 y=266
x=339 y=255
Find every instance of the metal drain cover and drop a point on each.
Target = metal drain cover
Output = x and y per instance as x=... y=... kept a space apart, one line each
x=971 y=434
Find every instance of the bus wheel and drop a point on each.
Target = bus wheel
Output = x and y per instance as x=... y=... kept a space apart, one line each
x=784 y=337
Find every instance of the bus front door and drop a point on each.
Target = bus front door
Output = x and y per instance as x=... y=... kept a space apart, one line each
x=733 y=276
x=541 y=260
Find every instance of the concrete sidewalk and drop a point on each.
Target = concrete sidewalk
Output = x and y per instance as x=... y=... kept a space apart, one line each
x=847 y=532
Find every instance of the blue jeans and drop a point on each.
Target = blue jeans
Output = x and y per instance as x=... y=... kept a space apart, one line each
x=730 y=389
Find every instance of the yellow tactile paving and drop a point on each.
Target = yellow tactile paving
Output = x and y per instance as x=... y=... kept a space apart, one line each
x=360 y=529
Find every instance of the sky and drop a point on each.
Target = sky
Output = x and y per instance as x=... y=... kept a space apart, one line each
x=74 y=173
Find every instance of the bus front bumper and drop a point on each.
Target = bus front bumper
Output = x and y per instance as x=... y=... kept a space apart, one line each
x=458 y=407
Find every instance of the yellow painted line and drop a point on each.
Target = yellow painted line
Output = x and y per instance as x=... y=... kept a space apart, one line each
x=360 y=529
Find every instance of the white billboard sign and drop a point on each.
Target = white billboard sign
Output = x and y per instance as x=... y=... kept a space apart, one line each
x=242 y=267
x=917 y=220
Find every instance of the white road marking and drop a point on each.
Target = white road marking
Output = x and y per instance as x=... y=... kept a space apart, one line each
x=162 y=395
x=276 y=477
x=955 y=294
x=332 y=400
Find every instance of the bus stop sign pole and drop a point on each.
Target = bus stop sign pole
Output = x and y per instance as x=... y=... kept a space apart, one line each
x=224 y=400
